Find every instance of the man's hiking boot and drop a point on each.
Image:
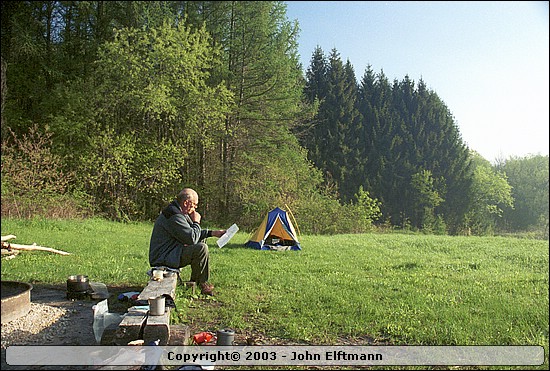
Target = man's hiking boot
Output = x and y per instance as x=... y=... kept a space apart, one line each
x=207 y=288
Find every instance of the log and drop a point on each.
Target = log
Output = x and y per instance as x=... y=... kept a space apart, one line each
x=130 y=329
x=158 y=288
x=9 y=252
x=179 y=335
x=157 y=328
x=8 y=237
x=14 y=246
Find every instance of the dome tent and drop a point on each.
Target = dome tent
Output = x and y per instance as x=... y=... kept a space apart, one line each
x=276 y=232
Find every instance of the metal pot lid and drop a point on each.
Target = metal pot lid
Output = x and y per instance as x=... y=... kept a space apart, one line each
x=78 y=278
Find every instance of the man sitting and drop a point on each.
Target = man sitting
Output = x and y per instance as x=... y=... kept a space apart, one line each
x=177 y=239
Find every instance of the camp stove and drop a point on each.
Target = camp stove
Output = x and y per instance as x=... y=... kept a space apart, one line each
x=79 y=295
x=78 y=287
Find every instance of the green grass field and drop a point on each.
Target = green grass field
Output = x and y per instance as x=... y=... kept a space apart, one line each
x=397 y=289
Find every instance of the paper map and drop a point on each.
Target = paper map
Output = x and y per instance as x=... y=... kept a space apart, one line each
x=227 y=235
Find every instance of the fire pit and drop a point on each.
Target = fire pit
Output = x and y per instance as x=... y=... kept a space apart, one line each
x=16 y=300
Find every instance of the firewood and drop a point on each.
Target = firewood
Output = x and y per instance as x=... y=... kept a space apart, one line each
x=8 y=237
x=14 y=246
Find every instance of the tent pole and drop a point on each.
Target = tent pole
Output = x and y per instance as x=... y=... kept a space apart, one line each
x=294 y=219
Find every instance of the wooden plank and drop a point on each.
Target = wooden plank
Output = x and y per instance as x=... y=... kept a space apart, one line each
x=109 y=335
x=158 y=288
x=157 y=328
x=180 y=335
x=138 y=324
x=130 y=329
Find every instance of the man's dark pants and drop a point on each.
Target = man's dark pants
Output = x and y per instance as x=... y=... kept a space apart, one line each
x=197 y=257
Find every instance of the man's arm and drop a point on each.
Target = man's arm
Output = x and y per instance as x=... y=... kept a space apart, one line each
x=218 y=233
x=186 y=231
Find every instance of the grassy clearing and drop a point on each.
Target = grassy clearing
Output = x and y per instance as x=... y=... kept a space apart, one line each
x=395 y=288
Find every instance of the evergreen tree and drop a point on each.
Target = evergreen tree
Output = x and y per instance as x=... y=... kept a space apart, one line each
x=316 y=77
x=28 y=49
x=350 y=183
x=406 y=131
x=314 y=92
x=333 y=141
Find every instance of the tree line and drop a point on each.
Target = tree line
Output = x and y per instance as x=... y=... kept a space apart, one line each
x=112 y=107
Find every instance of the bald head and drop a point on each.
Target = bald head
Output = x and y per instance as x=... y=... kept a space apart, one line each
x=188 y=200
x=188 y=194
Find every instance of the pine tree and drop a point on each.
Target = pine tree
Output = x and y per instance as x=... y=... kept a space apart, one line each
x=315 y=91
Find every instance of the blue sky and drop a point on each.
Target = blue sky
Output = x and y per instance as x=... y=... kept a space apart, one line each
x=488 y=61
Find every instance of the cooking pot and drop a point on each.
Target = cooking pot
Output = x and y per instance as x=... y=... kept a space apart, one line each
x=78 y=283
x=225 y=336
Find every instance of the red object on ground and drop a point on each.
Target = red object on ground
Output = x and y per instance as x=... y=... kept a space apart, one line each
x=202 y=337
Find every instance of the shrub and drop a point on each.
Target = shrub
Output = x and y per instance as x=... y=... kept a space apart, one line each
x=33 y=180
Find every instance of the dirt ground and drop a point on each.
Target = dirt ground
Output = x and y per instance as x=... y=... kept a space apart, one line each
x=76 y=328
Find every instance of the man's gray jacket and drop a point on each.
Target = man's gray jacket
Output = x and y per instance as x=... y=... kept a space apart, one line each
x=173 y=230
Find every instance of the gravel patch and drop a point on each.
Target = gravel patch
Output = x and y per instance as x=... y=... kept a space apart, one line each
x=52 y=320
x=41 y=325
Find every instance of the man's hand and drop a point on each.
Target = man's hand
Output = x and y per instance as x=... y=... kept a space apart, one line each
x=195 y=216
x=218 y=233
